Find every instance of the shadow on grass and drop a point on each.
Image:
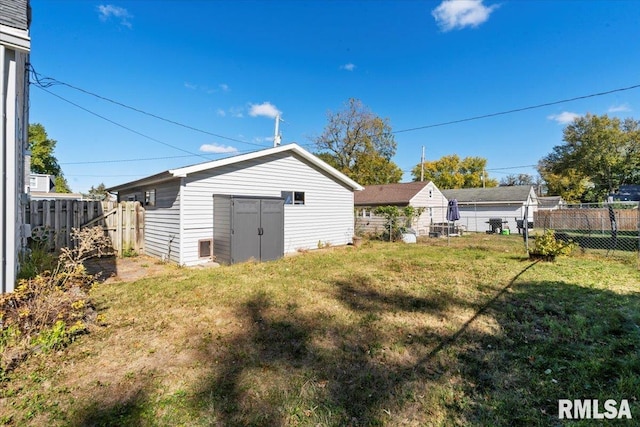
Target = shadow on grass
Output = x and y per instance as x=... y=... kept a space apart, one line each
x=559 y=341
x=125 y=409
x=290 y=366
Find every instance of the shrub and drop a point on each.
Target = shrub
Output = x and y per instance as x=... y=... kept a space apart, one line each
x=49 y=310
x=547 y=247
x=397 y=220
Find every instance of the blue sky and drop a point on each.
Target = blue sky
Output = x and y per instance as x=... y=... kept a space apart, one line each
x=226 y=67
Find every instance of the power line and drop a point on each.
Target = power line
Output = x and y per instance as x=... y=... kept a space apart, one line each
x=144 y=159
x=124 y=160
x=46 y=82
x=517 y=110
x=122 y=126
x=512 y=167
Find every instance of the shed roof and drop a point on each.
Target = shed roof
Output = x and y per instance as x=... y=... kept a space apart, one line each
x=506 y=194
x=293 y=148
x=388 y=194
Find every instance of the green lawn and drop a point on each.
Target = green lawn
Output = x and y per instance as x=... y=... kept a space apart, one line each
x=468 y=332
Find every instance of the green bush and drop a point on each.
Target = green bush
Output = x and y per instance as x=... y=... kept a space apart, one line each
x=547 y=247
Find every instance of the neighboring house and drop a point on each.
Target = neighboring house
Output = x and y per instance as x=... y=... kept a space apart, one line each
x=627 y=193
x=41 y=183
x=550 y=203
x=181 y=205
x=42 y=187
x=15 y=44
x=416 y=194
x=478 y=205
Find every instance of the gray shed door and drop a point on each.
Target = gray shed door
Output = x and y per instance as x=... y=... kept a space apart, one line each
x=257 y=229
x=245 y=233
x=272 y=229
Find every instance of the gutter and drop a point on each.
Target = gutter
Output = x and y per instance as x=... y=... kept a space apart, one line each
x=3 y=169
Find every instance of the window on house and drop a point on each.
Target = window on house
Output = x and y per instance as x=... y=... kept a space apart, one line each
x=204 y=248
x=366 y=213
x=150 y=197
x=293 y=197
x=430 y=194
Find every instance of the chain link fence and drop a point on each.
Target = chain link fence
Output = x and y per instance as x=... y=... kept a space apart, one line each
x=606 y=227
x=595 y=226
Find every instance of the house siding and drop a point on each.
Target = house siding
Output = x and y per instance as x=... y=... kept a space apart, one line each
x=14 y=13
x=435 y=211
x=222 y=229
x=435 y=208
x=326 y=216
x=162 y=221
x=13 y=143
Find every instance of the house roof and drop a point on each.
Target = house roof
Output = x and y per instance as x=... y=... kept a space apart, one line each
x=506 y=194
x=292 y=148
x=388 y=194
x=549 y=201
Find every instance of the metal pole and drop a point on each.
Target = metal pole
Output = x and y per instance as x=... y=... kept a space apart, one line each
x=422 y=165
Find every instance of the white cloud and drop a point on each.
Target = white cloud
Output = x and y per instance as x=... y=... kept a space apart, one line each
x=564 y=118
x=120 y=13
x=348 y=67
x=190 y=86
x=458 y=14
x=221 y=112
x=217 y=149
x=224 y=87
x=266 y=109
x=622 y=108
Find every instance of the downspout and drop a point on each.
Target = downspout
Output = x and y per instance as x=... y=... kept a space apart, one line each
x=181 y=224
x=3 y=168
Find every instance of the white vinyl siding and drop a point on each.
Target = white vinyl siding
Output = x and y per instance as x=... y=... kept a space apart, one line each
x=326 y=216
x=435 y=204
x=476 y=217
x=161 y=222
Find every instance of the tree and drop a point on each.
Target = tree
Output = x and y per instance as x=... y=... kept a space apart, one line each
x=359 y=144
x=97 y=193
x=451 y=172
x=61 y=184
x=519 y=179
x=42 y=158
x=599 y=154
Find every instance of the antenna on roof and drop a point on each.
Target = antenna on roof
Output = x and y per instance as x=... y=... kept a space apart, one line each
x=277 y=138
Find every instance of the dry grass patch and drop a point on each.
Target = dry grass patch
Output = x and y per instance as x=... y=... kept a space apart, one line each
x=386 y=334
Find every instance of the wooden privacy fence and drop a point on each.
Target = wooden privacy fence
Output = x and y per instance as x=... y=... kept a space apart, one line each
x=52 y=221
x=587 y=219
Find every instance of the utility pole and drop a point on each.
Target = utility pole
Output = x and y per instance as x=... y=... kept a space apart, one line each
x=422 y=165
x=277 y=138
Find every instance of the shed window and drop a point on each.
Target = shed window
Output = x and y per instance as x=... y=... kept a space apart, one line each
x=293 y=197
x=204 y=248
x=150 y=197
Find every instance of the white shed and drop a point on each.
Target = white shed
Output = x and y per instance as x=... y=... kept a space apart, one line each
x=179 y=203
x=416 y=194
x=478 y=205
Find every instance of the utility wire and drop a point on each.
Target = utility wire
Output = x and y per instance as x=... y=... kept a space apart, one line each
x=517 y=110
x=46 y=82
x=122 y=126
x=146 y=158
